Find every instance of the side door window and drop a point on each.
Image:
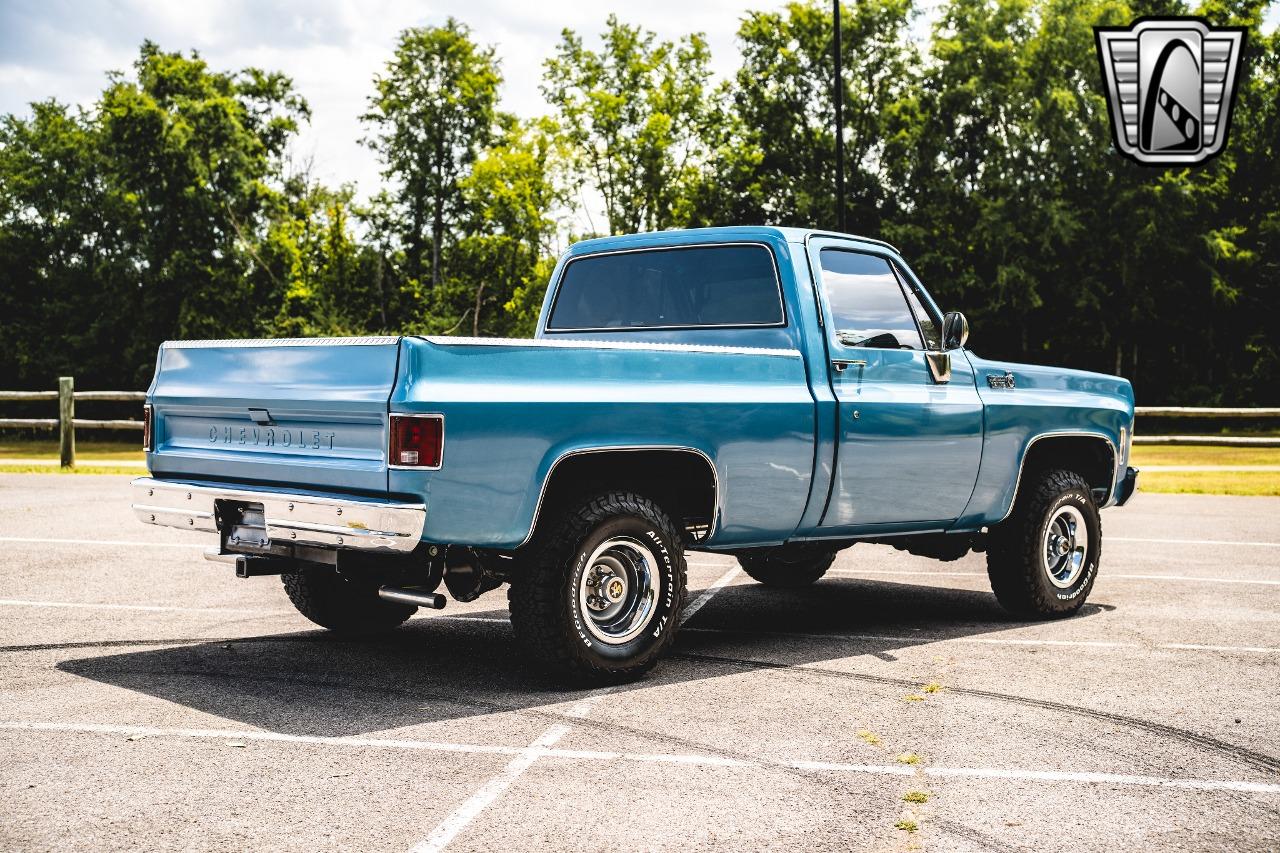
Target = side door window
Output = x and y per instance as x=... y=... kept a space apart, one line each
x=867 y=304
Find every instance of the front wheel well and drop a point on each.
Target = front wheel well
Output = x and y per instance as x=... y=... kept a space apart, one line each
x=1093 y=457
x=681 y=481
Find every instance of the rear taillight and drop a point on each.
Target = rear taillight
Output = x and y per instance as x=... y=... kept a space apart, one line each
x=417 y=441
x=147 y=431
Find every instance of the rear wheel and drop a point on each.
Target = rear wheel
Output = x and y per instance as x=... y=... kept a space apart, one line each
x=340 y=604
x=600 y=592
x=789 y=566
x=1043 y=559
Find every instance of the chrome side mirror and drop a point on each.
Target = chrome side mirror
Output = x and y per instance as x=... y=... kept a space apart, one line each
x=955 y=331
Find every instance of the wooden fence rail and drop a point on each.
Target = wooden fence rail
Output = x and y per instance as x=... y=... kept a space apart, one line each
x=1208 y=412
x=1206 y=440
x=66 y=422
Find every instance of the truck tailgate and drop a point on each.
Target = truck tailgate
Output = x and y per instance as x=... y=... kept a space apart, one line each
x=306 y=413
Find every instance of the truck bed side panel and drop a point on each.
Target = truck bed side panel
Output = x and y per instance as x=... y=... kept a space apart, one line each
x=513 y=408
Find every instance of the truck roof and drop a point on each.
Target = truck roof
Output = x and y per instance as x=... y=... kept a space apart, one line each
x=723 y=233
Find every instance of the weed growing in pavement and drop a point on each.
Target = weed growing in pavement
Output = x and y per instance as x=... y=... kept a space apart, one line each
x=908 y=758
x=869 y=736
x=916 y=796
x=907 y=825
x=913 y=697
x=932 y=687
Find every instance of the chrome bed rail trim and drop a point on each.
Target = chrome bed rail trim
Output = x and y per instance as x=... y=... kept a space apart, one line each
x=367 y=341
x=580 y=343
x=290 y=518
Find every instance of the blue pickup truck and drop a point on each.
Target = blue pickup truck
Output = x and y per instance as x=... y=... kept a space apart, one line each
x=771 y=393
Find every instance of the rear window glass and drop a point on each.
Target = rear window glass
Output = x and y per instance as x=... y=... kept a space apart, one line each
x=662 y=288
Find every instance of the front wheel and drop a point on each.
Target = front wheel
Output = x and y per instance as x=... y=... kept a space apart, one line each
x=1043 y=559
x=600 y=592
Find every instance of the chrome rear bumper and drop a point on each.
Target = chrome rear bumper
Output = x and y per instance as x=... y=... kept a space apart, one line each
x=290 y=518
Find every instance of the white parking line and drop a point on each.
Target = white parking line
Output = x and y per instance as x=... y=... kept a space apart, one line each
x=457 y=821
x=134 y=543
x=912 y=639
x=119 y=543
x=923 y=639
x=707 y=594
x=489 y=791
x=149 y=608
x=543 y=747
x=1193 y=541
x=1102 y=575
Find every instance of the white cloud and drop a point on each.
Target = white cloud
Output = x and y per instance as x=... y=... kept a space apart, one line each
x=331 y=48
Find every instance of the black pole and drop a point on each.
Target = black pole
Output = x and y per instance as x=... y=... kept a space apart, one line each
x=838 y=96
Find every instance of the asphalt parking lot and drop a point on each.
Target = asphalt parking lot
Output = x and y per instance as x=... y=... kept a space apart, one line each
x=150 y=700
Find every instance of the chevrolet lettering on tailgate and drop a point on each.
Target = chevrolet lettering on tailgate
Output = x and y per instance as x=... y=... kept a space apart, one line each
x=298 y=439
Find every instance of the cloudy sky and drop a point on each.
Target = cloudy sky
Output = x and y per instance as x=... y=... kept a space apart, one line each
x=331 y=48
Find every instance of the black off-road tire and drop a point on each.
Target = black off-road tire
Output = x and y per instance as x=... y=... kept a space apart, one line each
x=1015 y=560
x=546 y=611
x=787 y=567
x=341 y=604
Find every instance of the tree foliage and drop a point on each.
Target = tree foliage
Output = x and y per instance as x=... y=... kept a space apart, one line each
x=432 y=113
x=169 y=207
x=635 y=117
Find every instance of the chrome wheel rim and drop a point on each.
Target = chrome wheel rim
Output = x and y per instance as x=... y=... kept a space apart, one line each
x=618 y=590
x=1065 y=546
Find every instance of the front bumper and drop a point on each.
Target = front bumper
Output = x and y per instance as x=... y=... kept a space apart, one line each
x=1128 y=486
x=323 y=521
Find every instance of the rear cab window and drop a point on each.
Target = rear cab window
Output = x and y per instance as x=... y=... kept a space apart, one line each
x=689 y=287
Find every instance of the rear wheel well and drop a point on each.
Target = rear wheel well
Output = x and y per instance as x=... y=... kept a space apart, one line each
x=1092 y=457
x=682 y=482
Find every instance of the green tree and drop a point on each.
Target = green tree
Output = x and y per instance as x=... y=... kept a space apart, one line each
x=499 y=264
x=635 y=116
x=775 y=153
x=432 y=113
x=135 y=221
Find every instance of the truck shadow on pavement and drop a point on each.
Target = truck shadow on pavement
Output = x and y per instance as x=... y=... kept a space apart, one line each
x=439 y=668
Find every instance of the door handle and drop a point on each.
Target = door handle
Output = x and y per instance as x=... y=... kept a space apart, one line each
x=843 y=364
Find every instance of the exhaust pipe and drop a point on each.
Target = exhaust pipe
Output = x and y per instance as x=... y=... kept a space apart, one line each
x=408 y=595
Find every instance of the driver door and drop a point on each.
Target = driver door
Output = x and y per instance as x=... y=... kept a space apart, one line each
x=909 y=446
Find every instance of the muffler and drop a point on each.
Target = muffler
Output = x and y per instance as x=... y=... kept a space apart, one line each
x=409 y=595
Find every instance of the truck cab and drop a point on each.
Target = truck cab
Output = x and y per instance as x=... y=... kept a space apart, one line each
x=776 y=394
